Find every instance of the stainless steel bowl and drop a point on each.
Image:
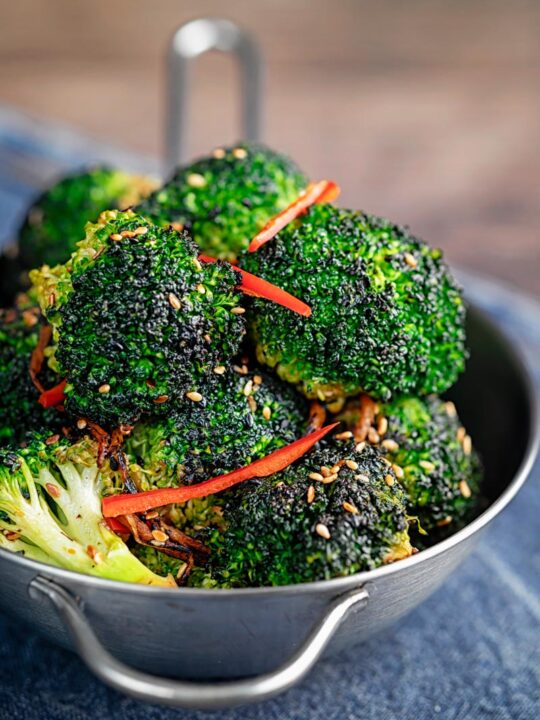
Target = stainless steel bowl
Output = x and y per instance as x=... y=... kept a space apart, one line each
x=234 y=640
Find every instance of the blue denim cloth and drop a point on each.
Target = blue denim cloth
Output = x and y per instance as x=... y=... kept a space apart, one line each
x=471 y=651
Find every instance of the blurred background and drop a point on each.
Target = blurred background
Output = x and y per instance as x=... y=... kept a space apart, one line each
x=427 y=111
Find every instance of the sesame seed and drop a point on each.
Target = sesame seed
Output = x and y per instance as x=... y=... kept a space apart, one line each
x=127 y=233
x=445 y=521
x=248 y=388
x=360 y=447
x=219 y=369
x=335 y=469
x=347 y=435
x=464 y=489
x=310 y=494
x=323 y=531
x=201 y=289
x=427 y=465
x=207 y=338
x=361 y=478
x=81 y=423
x=178 y=226
x=410 y=260
x=194 y=395
x=257 y=379
x=152 y=515
x=174 y=302
x=382 y=427
x=238 y=310
x=195 y=180
x=373 y=436
x=52 y=439
x=329 y=479
x=398 y=470
x=349 y=507
x=267 y=413
x=116 y=237
x=316 y=476
x=197 y=264
x=351 y=464
x=53 y=490
x=386 y=461
x=219 y=153
x=325 y=471
x=252 y=404
x=389 y=480
x=390 y=445
x=159 y=536
x=239 y=153
x=450 y=409
x=161 y=399
x=52 y=299
x=104 y=389
x=142 y=230
x=461 y=434
x=467 y=445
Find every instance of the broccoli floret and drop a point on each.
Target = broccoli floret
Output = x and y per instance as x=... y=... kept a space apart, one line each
x=432 y=455
x=20 y=412
x=55 y=222
x=50 y=511
x=387 y=316
x=311 y=522
x=138 y=321
x=243 y=416
x=225 y=199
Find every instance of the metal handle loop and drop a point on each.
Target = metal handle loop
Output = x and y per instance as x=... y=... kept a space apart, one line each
x=189 y=42
x=185 y=694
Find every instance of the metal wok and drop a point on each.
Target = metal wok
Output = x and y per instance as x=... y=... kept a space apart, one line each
x=237 y=646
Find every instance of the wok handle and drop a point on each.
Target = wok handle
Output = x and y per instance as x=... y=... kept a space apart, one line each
x=189 y=42
x=188 y=694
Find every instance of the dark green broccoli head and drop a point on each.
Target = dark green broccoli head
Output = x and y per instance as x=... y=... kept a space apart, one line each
x=243 y=416
x=225 y=199
x=432 y=455
x=20 y=413
x=296 y=527
x=387 y=317
x=138 y=321
x=55 y=222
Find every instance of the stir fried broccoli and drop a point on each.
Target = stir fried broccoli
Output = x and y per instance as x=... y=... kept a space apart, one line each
x=432 y=456
x=55 y=222
x=225 y=199
x=20 y=413
x=333 y=513
x=138 y=321
x=387 y=317
x=242 y=416
x=50 y=510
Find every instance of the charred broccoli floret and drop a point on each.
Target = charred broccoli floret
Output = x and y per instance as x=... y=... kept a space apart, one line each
x=243 y=416
x=387 y=316
x=138 y=321
x=55 y=222
x=432 y=456
x=20 y=413
x=225 y=199
x=333 y=513
x=50 y=511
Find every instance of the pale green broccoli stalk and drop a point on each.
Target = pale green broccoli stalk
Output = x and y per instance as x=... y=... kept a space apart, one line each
x=50 y=511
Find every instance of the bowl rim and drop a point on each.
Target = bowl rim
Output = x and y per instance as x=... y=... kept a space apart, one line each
x=357 y=579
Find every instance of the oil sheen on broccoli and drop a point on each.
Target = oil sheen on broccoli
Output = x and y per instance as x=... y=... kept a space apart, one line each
x=55 y=222
x=138 y=321
x=432 y=455
x=225 y=199
x=243 y=416
x=50 y=511
x=387 y=316
x=20 y=413
x=292 y=527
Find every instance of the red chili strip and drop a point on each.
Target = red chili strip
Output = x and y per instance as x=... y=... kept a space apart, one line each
x=53 y=397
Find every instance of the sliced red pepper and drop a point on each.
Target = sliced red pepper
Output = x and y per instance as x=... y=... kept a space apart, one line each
x=53 y=397
x=117 y=526
x=257 y=287
x=128 y=504
x=324 y=191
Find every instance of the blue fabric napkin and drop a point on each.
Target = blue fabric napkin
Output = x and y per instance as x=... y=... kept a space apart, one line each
x=472 y=651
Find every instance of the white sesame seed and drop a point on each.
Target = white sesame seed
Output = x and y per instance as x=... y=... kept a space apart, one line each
x=467 y=445
x=267 y=413
x=201 y=289
x=195 y=396
x=461 y=434
x=360 y=447
x=450 y=409
x=390 y=445
x=104 y=389
x=197 y=264
x=239 y=153
x=349 y=507
x=351 y=464
x=310 y=494
x=116 y=237
x=373 y=436
x=316 y=476
x=329 y=478
x=325 y=471
x=427 y=465
x=159 y=536
x=361 y=478
x=257 y=379
x=464 y=489
x=219 y=369
x=81 y=423
x=347 y=435
x=398 y=471
x=219 y=153
x=238 y=310
x=195 y=180
x=323 y=531
x=248 y=388
x=382 y=426
x=389 y=480
x=174 y=302
x=142 y=230
x=410 y=260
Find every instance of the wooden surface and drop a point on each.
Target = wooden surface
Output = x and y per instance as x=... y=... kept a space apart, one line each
x=425 y=111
